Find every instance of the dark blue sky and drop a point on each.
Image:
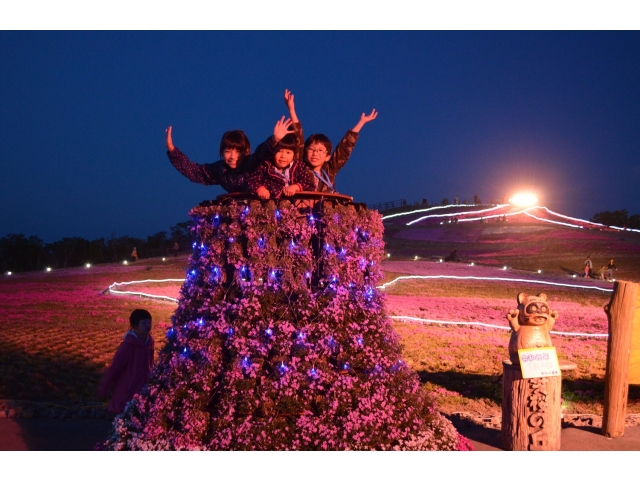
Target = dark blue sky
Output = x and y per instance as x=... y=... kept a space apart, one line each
x=83 y=116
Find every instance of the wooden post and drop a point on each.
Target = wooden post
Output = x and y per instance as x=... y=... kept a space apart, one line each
x=620 y=312
x=531 y=409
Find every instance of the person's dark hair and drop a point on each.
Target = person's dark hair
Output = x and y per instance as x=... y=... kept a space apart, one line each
x=289 y=142
x=137 y=315
x=235 y=139
x=319 y=138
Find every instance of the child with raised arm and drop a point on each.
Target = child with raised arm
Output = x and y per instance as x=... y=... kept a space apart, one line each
x=236 y=164
x=317 y=149
x=283 y=175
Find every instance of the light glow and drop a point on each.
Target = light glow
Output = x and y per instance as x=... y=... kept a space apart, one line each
x=523 y=199
x=48 y=269
x=88 y=265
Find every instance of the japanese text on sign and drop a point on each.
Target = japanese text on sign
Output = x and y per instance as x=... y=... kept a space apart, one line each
x=539 y=362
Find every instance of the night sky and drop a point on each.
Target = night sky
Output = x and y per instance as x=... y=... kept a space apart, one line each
x=83 y=118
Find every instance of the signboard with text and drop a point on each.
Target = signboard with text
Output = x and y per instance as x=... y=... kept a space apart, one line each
x=539 y=362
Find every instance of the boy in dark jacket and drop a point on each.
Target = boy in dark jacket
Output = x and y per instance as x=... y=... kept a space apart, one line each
x=236 y=164
x=131 y=364
x=325 y=165
x=283 y=175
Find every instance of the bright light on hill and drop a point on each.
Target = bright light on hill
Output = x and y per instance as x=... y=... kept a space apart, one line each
x=523 y=200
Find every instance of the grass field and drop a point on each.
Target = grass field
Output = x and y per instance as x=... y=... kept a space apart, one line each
x=59 y=330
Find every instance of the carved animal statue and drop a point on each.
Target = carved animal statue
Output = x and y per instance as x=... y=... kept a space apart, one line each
x=530 y=323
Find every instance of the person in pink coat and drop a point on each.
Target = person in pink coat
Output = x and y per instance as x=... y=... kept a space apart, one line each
x=131 y=364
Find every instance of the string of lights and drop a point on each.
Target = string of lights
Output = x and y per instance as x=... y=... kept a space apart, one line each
x=421 y=210
x=394 y=317
x=475 y=219
x=441 y=215
x=497 y=279
x=553 y=221
x=591 y=223
x=111 y=288
x=489 y=325
x=485 y=217
x=147 y=295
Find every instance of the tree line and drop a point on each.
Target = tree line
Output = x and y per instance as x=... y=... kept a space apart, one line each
x=19 y=253
x=617 y=218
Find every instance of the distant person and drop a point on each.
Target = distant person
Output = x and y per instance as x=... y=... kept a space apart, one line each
x=588 y=266
x=134 y=255
x=131 y=364
x=456 y=200
x=610 y=268
x=601 y=272
x=452 y=257
x=175 y=249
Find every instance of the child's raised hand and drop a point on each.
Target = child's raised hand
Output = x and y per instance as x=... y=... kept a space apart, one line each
x=365 y=119
x=291 y=190
x=170 y=146
x=281 y=129
x=288 y=100
x=263 y=193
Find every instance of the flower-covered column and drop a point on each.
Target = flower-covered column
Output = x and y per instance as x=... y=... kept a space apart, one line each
x=280 y=341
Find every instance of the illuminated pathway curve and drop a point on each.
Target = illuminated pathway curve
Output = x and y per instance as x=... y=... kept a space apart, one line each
x=113 y=288
x=466 y=213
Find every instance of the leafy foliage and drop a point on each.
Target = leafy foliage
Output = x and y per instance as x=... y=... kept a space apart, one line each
x=617 y=218
x=19 y=253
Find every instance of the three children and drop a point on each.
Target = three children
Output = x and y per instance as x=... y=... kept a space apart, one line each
x=276 y=168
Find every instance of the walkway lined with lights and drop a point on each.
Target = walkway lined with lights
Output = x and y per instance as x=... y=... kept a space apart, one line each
x=113 y=286
x=526 y=211
x=498 y=279
x=489 y=325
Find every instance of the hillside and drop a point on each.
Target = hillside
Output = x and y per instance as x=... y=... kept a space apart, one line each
x=526 y=240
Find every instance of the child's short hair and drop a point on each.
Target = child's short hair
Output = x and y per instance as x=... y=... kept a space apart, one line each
x=137 y=315
x=288 y=142
x=235 y=140
x=319 y=138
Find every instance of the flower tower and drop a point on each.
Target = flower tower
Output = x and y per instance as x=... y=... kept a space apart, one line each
x=280 y=341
